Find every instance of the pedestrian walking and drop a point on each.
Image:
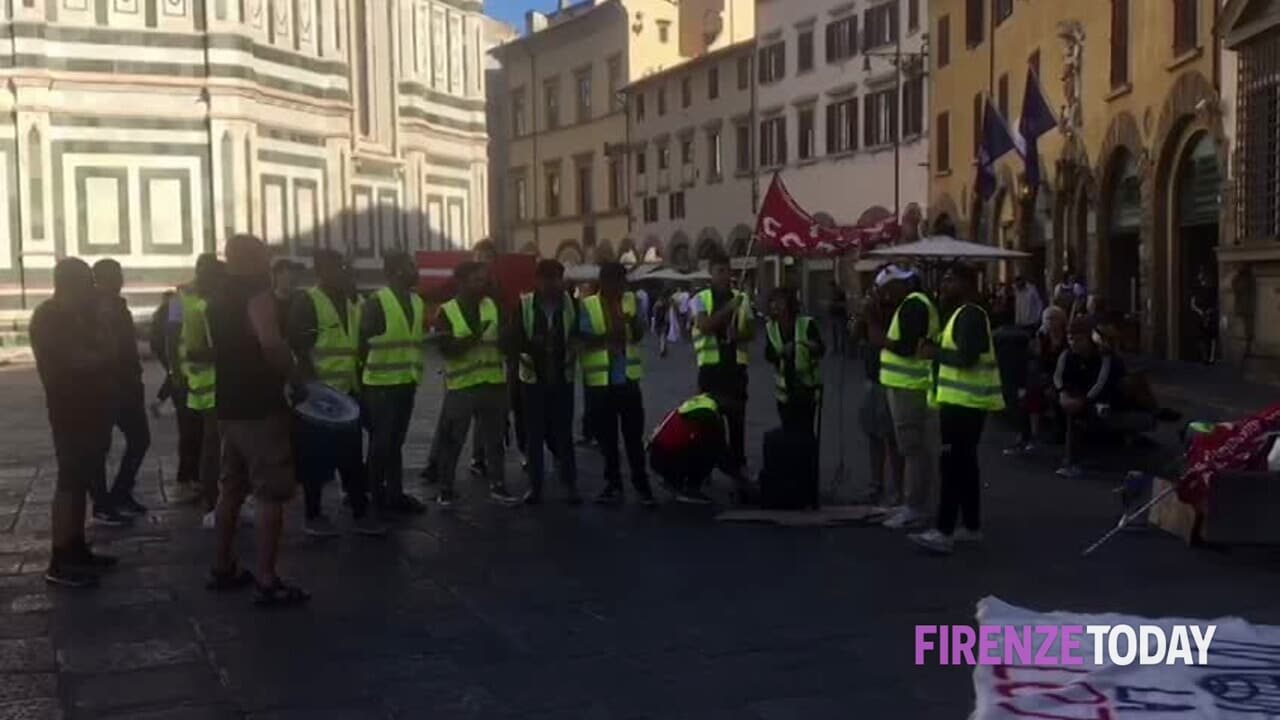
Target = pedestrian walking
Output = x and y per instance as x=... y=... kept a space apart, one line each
x=612 y=366
x=253 y=362
x=324 y=334
x=198 y=376
x=1028 y=305
x=542 y=338
x=110 y=503
x=74 y=358
x=967 y=388
x=795 y=349
x=392 y=332
x=475 y=383
x=722 y=331
x=907 y=378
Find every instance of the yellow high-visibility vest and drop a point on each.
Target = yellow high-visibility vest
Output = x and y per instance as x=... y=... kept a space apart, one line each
x=808 y=372
x=201 y=377
x=335 y=353
x=908 y=373
x=595 y=364
x=482 y=364
x=707 y=347
x=976 y=387
x=395 y=356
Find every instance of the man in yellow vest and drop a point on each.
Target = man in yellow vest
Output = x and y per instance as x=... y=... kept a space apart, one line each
x=199 y=445
x=907 y=377
x=795 y=350
x=612 y=367
x=722 y=329
x=542 y=336
x=392 y=330
x=324 y=334
x=475 y=379
x=966 y=389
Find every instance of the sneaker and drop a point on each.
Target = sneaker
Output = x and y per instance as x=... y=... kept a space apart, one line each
x=610 y=496
x=110 y=517
x=369 y=525
x=320 y=527
x=934 y=541
x=1022 y=448
x=647 y=500
x=444 y=500
x=478 y=469
x=1070 y=472
x=84 y=558
x=531 y=498
x=67 y=576
x=407 y=505
x=500 y=495
x=130 y=507
x=904 y=519
x=248 y=513
x=693 y=497
x=210 y=520
x=966 y=536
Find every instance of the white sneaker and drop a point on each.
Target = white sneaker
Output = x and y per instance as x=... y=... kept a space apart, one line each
x=934 y=541
x=210 y=520
x=903 y=519
x=248 y=513
x=967 y=536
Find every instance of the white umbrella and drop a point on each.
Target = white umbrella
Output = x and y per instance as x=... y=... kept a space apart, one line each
x=946 y=248
x=583 y=272
x=642 y=271
x=676 y=275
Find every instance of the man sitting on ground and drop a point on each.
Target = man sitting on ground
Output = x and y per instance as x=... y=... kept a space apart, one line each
x=1084 y=381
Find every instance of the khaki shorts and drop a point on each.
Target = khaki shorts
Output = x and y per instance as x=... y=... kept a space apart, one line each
x=257 y=458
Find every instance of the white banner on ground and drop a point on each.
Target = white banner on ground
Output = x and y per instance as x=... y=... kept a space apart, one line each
x=1240 y=681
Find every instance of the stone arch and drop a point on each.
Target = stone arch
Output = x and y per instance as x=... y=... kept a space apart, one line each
x=709 y=235
x=603 y=252
x=530 y=248
x=874 y=214
x=943 y=207
x=708 y=246
x=1191 y=108
x=1080 y=225
x=824 y=220
x=740 y=242
x=679 y=251
x=1121 y=173
x=570 y=253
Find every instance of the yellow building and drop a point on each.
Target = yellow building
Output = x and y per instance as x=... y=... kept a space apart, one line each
x=567 y=175
x=1130 y=183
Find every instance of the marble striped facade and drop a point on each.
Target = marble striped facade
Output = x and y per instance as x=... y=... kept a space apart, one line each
x=152 y=130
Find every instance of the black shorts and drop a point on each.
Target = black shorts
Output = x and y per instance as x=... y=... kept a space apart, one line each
x=80 y=449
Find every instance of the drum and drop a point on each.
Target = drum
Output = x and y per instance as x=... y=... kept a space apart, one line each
x=328 y=408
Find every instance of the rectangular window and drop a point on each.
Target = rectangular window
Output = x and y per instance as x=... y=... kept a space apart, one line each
x=582 y=81
x=1185 y=28
x=913 y=107
x=773 y=63
x=842 y=126
x=551 y=103
x=713 y=82
x=651 y=210
x=686 y=152
x=639 y=96
x=520 y=194
x=518 y=124
x=881 y=26
x=664 y=157
x=880 y=117
x=1003 y=10
x=808 y=133
x=975 y=22
x=743 y=138
x=586 y=202
x=715 y=166
x=744 y=72
x=615 y=83
x=664 y=31
x=675 y=206
x=942 y=142
x=616 y=183
x=804 y=51
x=686 y=92
x=553 y=191
x=913 y=15
x=1002 y=96
x=944 y=41
x=642 y=157
x=1119 y=43
x=662 y=100
x=773 y=142
x=842 y=39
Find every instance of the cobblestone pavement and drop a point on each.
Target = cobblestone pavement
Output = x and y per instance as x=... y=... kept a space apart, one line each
x=565 y=613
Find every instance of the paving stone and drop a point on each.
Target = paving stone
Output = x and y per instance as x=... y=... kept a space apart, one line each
x=32 y=603
x=26 y=655
x=119 y=657
x=17 y=472
x=27 y=686
x=184 y=712
x=16 y=627
x=29 y=582
x=10 y=563
x=42 y=709
x=8 y=521
x=178 y=684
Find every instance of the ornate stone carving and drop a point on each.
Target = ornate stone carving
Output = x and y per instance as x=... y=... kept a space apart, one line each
x=1071 y=32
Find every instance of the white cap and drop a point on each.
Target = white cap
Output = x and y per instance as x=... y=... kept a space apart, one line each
x=893 y=272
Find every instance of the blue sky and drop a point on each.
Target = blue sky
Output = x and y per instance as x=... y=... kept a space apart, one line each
x=512 y=11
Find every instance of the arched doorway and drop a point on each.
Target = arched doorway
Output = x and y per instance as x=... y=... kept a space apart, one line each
x=1040 y=228
x=569 y=253
x=1120 y=255
x=1075 y=258
x=1194 y=236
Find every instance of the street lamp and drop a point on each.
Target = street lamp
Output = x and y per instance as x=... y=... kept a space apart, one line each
x=900 y=59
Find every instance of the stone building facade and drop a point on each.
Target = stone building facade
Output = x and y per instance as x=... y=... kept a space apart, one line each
x=1132 y=183
x=151 y=130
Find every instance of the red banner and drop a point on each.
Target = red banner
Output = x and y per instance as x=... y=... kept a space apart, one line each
x=784 y=227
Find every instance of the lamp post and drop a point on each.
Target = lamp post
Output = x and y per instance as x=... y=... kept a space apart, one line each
x=899 y=57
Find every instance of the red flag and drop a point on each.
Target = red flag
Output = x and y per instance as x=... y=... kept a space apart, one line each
x=784 y=227
x=1229 y=447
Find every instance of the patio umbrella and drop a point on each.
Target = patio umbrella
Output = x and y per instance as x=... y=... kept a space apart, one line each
x=584 y=272
x=946 y=248
x=678 y=276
